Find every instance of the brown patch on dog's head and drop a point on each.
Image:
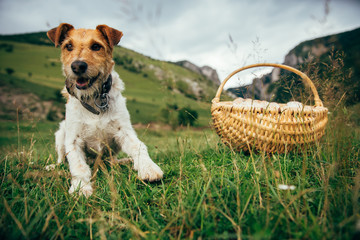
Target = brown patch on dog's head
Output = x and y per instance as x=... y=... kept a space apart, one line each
x=86 y=55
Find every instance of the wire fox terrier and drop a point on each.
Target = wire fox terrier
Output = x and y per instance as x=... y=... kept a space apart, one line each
x=96 y=113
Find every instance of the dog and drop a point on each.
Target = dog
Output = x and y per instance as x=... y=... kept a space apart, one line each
x=96 y=114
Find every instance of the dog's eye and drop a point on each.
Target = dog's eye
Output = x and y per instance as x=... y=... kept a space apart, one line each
x=69 y=47
x=95 y=47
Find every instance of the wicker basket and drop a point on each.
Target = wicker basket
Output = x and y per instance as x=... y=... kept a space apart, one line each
x=269 y=127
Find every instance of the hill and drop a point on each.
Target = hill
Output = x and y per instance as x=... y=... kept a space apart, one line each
x=323 y=59
x=31 y=78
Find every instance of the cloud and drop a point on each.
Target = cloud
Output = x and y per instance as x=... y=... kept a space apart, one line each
x=223 y=34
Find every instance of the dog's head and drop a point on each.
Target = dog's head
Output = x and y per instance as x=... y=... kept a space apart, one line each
x=86 y=55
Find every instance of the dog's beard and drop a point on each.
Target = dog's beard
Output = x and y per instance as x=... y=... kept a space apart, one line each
x=83 y=83
x=84 y=88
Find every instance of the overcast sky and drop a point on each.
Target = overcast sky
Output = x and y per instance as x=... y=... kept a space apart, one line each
x=223 y=34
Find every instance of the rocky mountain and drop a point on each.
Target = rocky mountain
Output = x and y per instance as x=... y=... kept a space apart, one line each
x=318 y=56
x=206 y=71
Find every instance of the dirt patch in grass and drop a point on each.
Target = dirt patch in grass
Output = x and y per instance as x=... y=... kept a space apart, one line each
x=15 y=103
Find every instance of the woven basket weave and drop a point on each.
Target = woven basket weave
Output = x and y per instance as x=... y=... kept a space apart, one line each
x=268 y=127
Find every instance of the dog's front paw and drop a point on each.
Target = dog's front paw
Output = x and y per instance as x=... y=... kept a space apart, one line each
x=123 y=161
x=83 y=188
x=150 y=172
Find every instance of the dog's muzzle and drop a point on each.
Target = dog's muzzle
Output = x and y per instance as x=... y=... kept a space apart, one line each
x=83 y=82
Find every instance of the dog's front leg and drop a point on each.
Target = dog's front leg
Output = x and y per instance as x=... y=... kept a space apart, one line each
x=59 y=146
x=131 y=145
x=60 y=142
x=80 y=171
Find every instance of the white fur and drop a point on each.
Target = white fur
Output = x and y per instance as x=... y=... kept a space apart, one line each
x=82 y=128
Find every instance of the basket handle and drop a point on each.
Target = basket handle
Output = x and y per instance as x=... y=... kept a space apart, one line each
x=305 y=78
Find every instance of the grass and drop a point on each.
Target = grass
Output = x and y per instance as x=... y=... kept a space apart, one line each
x=207 y=192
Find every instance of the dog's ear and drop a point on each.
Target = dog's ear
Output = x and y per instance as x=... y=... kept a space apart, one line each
x=111 y=35
x=58 y=34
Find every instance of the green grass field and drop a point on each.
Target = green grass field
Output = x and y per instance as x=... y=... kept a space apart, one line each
x=208 y=191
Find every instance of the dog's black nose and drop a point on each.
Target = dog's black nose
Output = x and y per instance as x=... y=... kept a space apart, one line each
x=79 y=67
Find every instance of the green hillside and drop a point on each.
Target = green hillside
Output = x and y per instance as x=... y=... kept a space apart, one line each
x=155 y=90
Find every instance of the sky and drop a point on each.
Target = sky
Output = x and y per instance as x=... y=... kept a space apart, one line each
x=222 y=34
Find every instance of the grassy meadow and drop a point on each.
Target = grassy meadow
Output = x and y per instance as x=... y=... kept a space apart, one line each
x=208 y=191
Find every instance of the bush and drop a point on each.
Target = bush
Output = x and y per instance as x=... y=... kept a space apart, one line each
x=128 y=63
x=7 y=47
x=59 y=97
x=187 y=116
x=170 y=115
x=9 y=71
x=122 y=61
